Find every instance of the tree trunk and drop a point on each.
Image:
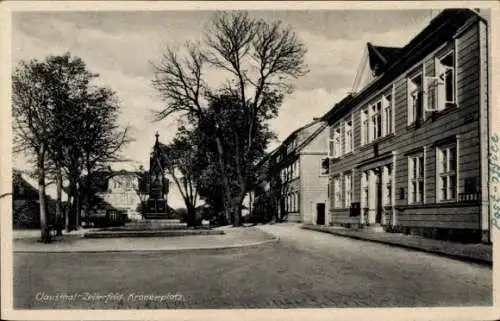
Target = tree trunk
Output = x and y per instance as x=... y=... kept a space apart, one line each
x=66 y=212
x=58 y=202
x=226 y=187
x=71 y=206
x=44 y=227
x=237 y=207
x=78 y=206
x=87 y=193
x=191 y=215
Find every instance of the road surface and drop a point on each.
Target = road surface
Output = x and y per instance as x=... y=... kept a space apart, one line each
x=304 y=269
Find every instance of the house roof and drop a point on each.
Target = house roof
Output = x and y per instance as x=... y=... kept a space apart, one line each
x=24 y=179
x=19 y=181
x=380 y=57
x=442 y=27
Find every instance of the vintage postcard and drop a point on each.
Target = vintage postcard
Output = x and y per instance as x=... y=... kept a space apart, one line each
x=250 y=160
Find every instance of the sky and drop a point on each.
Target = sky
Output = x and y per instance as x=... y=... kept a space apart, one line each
x=121 y=46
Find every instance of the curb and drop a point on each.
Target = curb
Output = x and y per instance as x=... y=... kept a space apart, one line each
x=464 y=258
x=188 y=249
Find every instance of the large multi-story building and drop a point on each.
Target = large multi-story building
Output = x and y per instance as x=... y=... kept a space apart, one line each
x=409 y=151
x=297 y=175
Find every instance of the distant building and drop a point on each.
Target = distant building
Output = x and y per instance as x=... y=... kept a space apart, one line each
x=25 y=201
x=409 y=150
x=295 y=182
x=117 y=191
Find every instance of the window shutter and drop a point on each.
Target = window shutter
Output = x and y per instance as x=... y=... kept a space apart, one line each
x=440 y=87
x=410 y=174
x=409 y=89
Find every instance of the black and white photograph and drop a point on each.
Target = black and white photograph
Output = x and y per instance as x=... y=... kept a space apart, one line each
x=248 y=157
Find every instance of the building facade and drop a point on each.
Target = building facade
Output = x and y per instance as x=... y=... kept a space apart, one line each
x=297 y=179
x=119 y=193
x=409 y=151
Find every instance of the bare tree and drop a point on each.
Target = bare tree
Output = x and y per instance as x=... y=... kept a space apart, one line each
x=260 y=59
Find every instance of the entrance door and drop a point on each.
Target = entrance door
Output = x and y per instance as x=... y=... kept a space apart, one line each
x=379 y=205
x=320 y=213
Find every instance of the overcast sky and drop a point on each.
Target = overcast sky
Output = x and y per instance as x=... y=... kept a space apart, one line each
x=120 y=46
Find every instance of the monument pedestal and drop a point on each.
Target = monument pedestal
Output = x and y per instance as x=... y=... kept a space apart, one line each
x=156 y=224
x=156 y=209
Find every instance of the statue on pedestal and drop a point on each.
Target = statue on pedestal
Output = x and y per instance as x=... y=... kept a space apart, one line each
x=158 y=187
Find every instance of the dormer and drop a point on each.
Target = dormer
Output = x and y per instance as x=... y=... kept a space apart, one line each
x=374 y=62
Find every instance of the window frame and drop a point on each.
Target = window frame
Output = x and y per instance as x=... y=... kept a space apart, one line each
x=365 y=130
x=365 y=187
x=348 y=129
x=410 y=106
x=413 y=195
x=348 y=191
x=388 y=124
x=447 y=173
x=326 y=158
x=337 y=191
x=388 y=182
x=443 y=71
x=337 y=141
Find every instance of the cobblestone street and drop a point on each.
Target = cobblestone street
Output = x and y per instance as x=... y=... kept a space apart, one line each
x=304 y=269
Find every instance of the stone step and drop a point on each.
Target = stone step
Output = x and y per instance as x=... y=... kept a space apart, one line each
x=374 y=228
x=155 y=216
x=162 y=221
x=162 y=233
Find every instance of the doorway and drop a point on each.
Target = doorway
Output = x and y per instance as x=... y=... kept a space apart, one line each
x=320 y=213
x=379 y=205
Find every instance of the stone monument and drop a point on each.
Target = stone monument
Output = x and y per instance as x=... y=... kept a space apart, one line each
x=156 y=205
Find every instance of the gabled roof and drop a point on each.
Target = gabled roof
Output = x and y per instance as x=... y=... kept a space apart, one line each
x=380 y=57
x=19 y=181
x=303 y=133
x=442 y=28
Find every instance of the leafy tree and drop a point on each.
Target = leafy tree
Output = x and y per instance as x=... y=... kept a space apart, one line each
x=260 y=59
x=32 y=111
x=67 y=125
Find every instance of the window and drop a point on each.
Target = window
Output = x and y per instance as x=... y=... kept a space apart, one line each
x=447 y=173
x=337 y=192
x=347 y=190
x=331 y=143
x=445 y=70
x=376 y=121
x=365 y=134
x=325 y=166
x=415 y=99
x=337 y=142
x=441 y=87
x=387 y=115
x=348 y=136
x=416 y=170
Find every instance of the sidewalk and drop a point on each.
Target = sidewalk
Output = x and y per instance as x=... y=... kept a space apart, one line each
x=479 y=253
x=233 y=238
